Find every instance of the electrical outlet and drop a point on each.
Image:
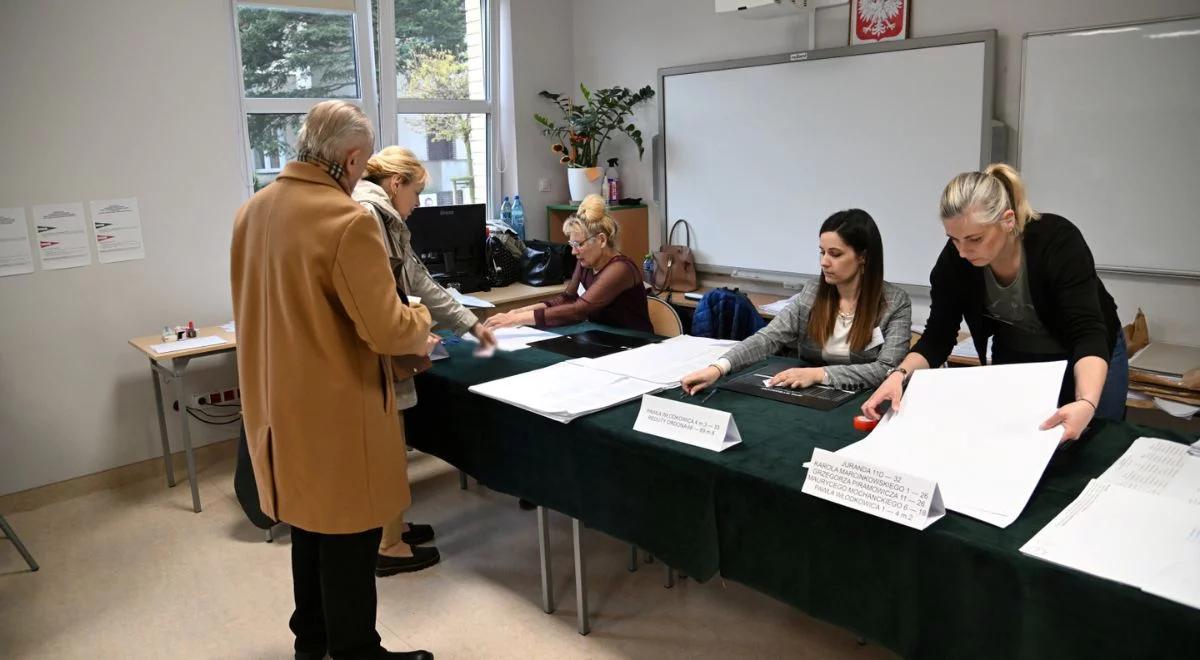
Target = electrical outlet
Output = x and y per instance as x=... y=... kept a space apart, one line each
x=543 y=185
x=220 y=396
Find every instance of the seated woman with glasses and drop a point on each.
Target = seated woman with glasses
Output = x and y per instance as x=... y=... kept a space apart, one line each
x=848 y=325
x=605 y=288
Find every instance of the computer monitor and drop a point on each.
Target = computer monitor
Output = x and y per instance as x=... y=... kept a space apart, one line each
x=449 y=240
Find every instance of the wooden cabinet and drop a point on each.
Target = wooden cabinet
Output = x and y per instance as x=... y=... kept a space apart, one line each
x=634 y=223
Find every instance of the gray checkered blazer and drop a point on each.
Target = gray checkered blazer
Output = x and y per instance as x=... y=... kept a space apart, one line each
x=867 y=368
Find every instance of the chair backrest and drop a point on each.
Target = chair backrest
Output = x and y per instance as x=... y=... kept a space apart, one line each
x=663 y=318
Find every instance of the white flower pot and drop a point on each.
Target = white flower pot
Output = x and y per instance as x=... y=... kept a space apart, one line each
x=583 y=181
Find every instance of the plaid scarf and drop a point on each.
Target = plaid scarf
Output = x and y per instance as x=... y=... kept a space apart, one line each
x=335 y=170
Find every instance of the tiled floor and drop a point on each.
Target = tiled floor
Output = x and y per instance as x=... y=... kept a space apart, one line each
x=131 y=572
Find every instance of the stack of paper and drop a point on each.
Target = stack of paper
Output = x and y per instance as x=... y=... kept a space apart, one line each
x=515 y=339
x=974 y=431
x=187 y=344
x=1138 y=524
x=663 y=363
x=565 y=391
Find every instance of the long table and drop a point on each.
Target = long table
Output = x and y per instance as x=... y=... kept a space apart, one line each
x=959 y=589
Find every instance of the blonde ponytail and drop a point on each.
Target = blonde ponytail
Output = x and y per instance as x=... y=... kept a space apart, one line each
x=988 y=194
x=593 y=219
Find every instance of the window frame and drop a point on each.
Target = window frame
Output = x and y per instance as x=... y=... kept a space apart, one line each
x=364 y=70
x=391 y=105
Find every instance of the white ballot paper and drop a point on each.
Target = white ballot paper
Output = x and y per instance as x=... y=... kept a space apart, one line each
x=16 y=257
x=665 y=362
x=62 y=237
x=895 y=496
x=514 y=339
x=118 y=230
x=564 y=391
x=1158 y=467
x=687 y=423
x=468 y=301
x=973 y=431
x=1117 y=533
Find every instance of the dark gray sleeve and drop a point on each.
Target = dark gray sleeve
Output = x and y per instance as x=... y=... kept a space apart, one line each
x=786 y=329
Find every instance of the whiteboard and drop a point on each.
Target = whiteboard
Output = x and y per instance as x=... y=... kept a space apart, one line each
x=1110 y=138
x=759 y=152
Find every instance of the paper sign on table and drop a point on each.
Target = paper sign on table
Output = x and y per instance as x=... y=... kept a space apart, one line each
x=118 y=230
x=16 y=258
x=62 y=237
x=687 y=423
x=888 y=494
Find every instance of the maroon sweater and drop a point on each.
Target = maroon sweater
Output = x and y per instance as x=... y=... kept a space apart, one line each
x=614 y=296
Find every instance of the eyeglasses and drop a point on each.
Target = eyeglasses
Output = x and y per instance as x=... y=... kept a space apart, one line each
x=577 y=245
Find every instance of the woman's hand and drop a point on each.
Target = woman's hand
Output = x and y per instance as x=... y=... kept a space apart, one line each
x=890 y=390
x=700 y=379
x=1073 y=417
x=502 y=320
x=484 y=335
x=798 y=378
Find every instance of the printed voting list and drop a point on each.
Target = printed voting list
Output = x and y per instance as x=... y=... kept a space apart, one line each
x=894 y=496
x=1138 y=524
x=687 y=423
x=986 y=458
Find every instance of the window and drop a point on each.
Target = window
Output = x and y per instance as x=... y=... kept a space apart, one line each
x=436 y=71
x=293 y=57
x=427 y=70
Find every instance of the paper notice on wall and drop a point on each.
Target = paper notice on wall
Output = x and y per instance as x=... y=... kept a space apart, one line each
x=118 y=230
x=62 y=237
x=16 y=257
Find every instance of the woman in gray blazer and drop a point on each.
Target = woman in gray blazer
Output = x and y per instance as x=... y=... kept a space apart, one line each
x=848 y=325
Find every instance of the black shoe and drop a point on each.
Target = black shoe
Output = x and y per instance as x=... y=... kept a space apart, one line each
x=526 y=505
x=405 y=655
x=423 y=557
x=417 y=534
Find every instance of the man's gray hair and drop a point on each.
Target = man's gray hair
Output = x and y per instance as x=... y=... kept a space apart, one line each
x=331 y=129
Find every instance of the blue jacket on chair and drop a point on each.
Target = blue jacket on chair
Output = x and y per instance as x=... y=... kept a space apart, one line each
x=726 y=314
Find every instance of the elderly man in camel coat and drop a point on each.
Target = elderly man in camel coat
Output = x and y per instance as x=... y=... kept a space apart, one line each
x=318 y=317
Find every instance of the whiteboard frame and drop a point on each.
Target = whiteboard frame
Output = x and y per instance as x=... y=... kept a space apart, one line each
x=1100 y=268
x=787 y=278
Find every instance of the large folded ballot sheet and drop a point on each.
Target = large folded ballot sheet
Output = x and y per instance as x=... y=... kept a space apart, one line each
x=664 y=363
x=974 y=431
x=565 y=391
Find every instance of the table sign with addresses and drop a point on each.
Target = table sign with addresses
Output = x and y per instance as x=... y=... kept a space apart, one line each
x=895 y=496
x=687 y=423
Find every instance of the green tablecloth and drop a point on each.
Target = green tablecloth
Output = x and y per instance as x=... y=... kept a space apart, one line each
x=959 y=589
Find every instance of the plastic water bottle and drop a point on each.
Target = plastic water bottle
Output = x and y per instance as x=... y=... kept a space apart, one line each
x=648 y=269
x=518 y=217
x=506 y=211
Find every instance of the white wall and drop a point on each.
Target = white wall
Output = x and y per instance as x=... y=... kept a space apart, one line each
x=625 y=42
x=106 y=99
x=541 y=60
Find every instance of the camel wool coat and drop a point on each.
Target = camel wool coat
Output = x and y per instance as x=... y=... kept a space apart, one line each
x=317 y=313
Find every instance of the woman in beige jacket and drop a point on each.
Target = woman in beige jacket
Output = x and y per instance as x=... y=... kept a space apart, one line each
x=318 y=319
x=390 y=190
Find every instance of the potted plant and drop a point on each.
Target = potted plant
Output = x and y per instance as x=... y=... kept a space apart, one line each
x=585 y=128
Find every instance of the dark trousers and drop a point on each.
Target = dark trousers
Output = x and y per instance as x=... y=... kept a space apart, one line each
x=333 y=576
x=1116 y=385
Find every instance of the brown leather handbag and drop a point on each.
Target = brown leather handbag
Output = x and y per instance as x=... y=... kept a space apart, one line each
x=674 y=266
